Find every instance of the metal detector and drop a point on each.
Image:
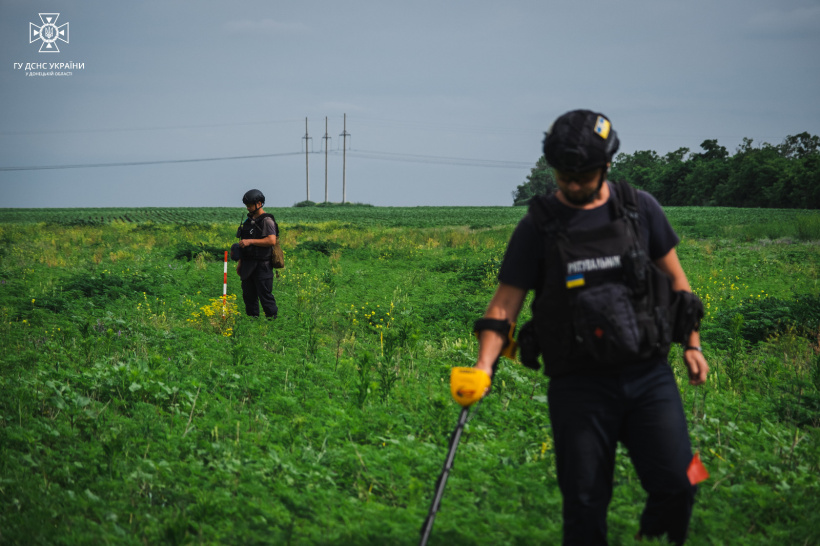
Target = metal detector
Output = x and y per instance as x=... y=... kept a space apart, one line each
x=427 y=528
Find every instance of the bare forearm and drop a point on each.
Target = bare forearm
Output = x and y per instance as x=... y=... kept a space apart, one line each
x=270 y=240
x=490 y=345
x=693 y=358
x=505 y=305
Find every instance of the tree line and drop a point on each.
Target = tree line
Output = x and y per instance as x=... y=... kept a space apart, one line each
x=786 y=175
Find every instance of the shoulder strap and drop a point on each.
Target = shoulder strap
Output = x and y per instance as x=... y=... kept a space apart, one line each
x=269 y=215
x=544 y=211
x=624 y=202
x=627 y=197
x=628 y=203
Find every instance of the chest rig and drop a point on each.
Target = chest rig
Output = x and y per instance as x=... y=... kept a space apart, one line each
x=602 y=304
x=252 y=228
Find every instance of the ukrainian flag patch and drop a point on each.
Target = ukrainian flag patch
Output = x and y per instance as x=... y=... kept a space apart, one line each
x=574 y=281
x=602 y=127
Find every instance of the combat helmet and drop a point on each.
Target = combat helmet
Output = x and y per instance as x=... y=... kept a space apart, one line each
x=252 y=197
x=580 y=140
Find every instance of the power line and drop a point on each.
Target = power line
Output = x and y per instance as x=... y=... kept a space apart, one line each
x=439 y=160
x=439 y=126
x=362 y=154
x=138 y=129
x=135 y=163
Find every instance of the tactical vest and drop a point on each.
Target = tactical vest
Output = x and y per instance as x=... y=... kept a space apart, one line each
x=602 y=305
x=252 y=228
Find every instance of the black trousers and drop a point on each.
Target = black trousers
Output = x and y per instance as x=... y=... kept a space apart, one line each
x=642 y=409
x=258 y=288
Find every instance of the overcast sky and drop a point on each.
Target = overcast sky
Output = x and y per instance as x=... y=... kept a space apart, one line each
x=446 y=101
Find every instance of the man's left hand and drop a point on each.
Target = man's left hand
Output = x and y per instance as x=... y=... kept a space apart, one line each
x=696 y=365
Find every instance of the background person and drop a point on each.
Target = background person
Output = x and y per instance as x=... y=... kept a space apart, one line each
x=257 y=234
x=596 y=401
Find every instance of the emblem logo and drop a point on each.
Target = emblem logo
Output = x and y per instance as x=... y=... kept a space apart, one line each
x=602 y=127
x=48 y=33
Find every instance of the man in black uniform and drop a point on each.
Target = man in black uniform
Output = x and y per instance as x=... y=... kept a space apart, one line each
x=598 y=394
x=257 y=235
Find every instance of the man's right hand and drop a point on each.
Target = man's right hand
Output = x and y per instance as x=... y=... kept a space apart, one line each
x=468 y=385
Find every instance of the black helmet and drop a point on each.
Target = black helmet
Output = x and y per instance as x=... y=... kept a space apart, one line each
x=579 y=141
x=252 y=197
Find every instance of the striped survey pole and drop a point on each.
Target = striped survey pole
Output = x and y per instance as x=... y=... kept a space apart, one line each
x=225 y=286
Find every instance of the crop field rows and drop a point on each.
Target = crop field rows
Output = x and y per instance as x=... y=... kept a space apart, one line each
x=361 y=215
x=699 y=222
x=132 y=412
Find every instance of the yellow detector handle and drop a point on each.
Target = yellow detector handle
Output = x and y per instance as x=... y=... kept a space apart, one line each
x=468 y=385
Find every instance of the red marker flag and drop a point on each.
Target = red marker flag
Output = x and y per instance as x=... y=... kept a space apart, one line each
x=225 y=286
x=696 y=471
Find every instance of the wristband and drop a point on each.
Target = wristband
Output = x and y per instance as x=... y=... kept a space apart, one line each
x=692 y=348
x=504 y=328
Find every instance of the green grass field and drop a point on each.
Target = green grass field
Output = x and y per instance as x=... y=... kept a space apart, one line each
x=131 y=412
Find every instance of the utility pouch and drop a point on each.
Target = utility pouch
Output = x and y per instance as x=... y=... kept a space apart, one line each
x=687 y=312
x=606 y=324
x=236 y=252
x=277 y=257
x=528 y=348
x=635 y=266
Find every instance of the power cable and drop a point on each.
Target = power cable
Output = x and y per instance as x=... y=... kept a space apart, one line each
x=442 y=126
x=438 y=160
x=138 y=129
x=135 y=163
x=363 y=154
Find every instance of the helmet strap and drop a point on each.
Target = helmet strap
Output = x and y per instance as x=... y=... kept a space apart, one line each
x=594 y=195
x=601 y=180
x=252 y=213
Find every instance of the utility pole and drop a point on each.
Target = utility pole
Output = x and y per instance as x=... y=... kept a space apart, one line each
x=307 y=173
x=325 y=138
x=344 y=136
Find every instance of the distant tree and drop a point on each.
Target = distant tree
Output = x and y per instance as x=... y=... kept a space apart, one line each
x=754 y=178
x=540 y=181
x=668 y=182
x=637 y=169
x=786 y=175
x=712 y=151
x=709 y=170
x=804 y=182
x=800 y=146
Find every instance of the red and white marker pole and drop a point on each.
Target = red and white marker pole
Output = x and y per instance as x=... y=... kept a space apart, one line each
x=225 y=287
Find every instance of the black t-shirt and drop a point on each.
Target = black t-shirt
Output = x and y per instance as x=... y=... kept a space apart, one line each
x=525 y=252
x=268 y=228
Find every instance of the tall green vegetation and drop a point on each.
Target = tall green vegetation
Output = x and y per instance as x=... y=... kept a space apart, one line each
x=131 y=412
x=786 y=175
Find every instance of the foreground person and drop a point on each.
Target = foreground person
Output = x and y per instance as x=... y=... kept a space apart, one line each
x=611 y=296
